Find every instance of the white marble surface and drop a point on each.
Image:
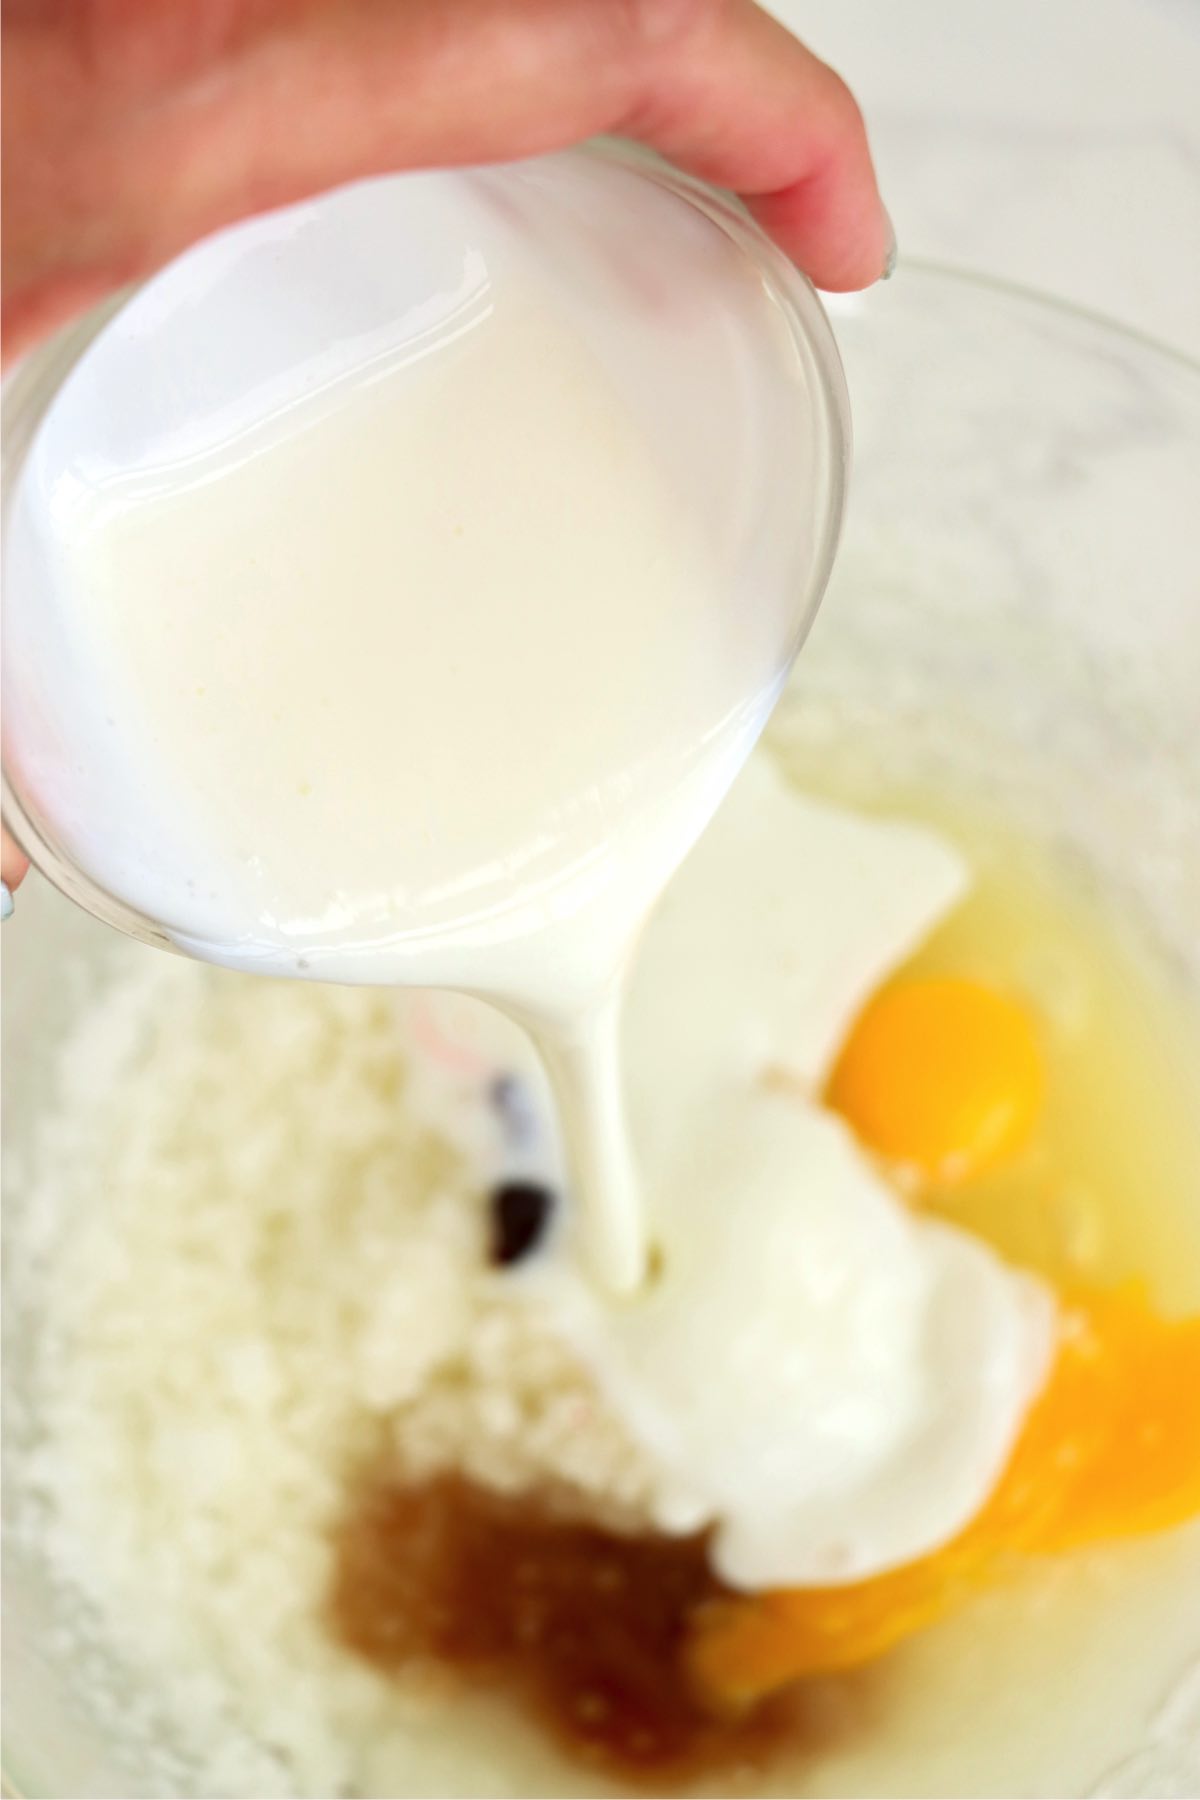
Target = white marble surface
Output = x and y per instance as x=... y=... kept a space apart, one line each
x=1056 y=142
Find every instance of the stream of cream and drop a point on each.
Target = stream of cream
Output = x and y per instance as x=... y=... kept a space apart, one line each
x=428 y=681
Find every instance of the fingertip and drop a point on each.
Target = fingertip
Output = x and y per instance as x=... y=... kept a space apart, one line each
x=741 y=103
x=843 y=242
x=832 y=219
x=14 y=864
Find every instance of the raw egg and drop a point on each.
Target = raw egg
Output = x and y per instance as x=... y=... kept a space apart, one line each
x=1110 y=1451
x=941 y=1075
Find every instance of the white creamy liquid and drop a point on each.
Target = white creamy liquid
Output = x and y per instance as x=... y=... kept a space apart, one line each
x=426 y=669
x=445 y=706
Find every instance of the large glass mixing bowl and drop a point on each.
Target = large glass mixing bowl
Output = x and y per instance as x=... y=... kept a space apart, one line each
x=1017 y=610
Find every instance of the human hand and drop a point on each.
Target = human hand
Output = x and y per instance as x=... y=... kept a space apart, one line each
x=132 y=128
x=14 y=866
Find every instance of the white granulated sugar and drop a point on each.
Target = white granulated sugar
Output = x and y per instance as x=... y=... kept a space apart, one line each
x=252 y=1273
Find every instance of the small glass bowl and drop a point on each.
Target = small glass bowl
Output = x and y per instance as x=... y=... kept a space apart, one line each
x=718 y=347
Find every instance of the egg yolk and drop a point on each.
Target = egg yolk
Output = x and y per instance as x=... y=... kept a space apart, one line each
x=943 y=1075
x=1111 y=1450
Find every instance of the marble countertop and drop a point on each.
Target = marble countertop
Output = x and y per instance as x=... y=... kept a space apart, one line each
x=1055 y=142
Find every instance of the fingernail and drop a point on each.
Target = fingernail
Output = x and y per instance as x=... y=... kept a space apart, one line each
x=6 y=901
x=889 y=261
